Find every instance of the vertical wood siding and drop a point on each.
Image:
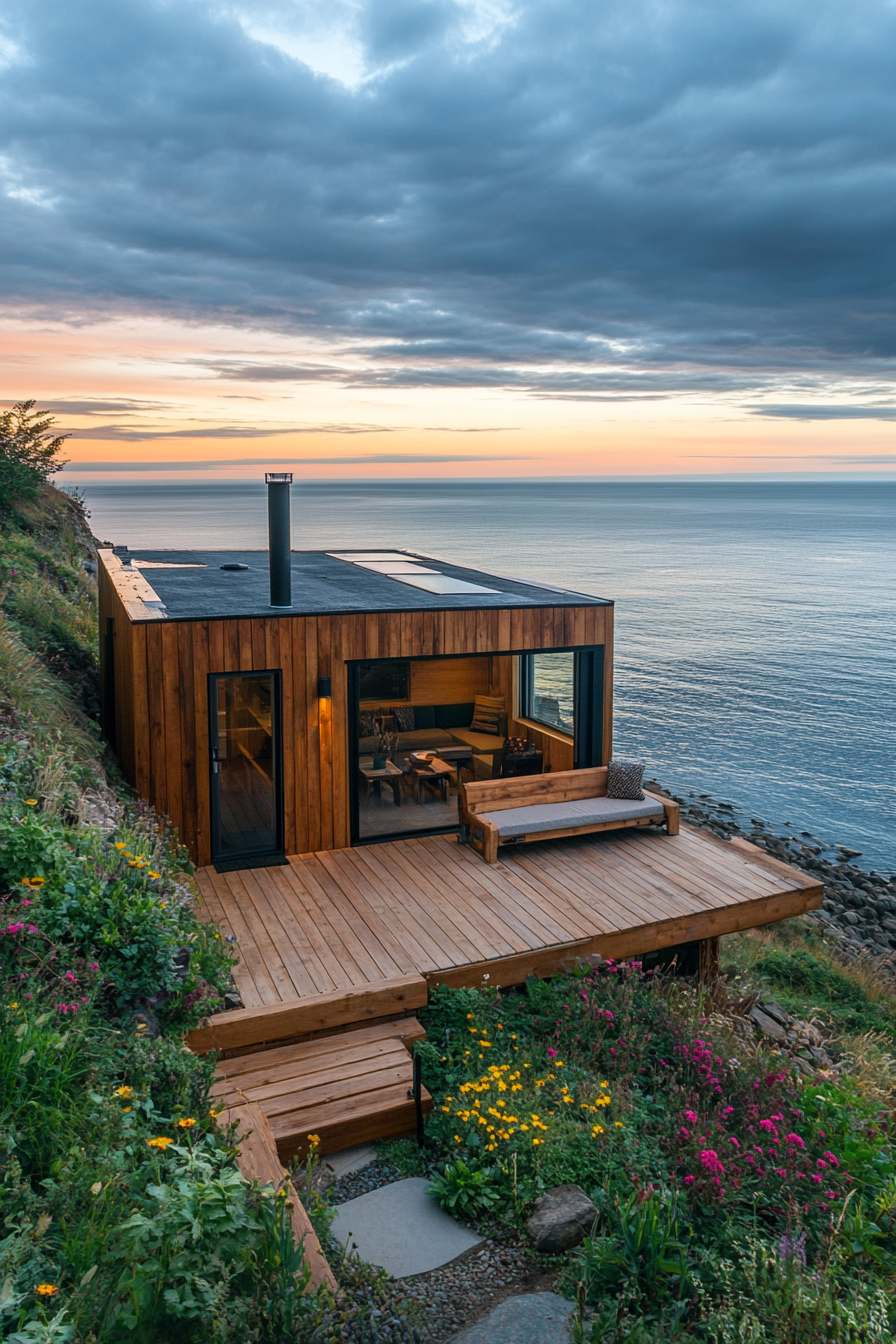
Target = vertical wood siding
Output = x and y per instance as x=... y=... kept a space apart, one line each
x=161 y=696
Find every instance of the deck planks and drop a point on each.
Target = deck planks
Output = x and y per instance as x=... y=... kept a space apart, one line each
x=341 y=920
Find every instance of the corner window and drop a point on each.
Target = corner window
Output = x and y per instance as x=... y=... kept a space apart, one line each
x=547 y=689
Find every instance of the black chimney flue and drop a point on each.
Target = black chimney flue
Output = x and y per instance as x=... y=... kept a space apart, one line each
x=278 y=483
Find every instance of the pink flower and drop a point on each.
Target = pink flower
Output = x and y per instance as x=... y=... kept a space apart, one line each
x=821 y=1164
x=689 y=1180
x=685 y=1133
x=94 y=965
x=710 y=1159
x=832 y=1159
x=732 y=1139
x=768 y=1126
x=779 y=1171
x=69 y=976
x=817 y=1180
x=794 y=1140
x=729 y=1110
x=690 y=1116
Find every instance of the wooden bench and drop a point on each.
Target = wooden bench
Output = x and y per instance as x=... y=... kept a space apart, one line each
x=543 y=798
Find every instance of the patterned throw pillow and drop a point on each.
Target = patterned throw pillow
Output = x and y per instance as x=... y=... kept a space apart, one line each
x=487 y=714
x=624 y=779
x=404 y=718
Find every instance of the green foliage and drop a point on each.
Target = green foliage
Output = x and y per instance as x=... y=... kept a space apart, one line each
x=466 y=1191
x=640 y=1257
x=29 y=451
x=802 y=978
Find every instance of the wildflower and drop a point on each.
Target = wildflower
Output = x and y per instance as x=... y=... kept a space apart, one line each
x=595 y=1130
x=832 y=1159
x=120 y=844
x=186 y=1123
x=124 y=1091
x=794 y=1140
x=617 y=1124
x=33 y=882
x=154 y=876
x=46 y=1289
x=710 y=1159
x=689 y=1180
x=314 y=1140
x=691 y=1117
x=161 y=1142
x=32 y=802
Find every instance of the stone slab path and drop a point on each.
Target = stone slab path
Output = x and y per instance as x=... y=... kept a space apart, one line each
x=535 y=1318
x=402 y=1229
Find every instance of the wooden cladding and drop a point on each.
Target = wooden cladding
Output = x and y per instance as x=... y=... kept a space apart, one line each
x=161 y=673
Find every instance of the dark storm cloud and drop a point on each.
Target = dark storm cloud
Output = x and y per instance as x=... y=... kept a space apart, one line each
x=623 y=197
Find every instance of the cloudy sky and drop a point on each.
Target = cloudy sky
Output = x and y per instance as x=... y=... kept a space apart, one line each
x=477 y=237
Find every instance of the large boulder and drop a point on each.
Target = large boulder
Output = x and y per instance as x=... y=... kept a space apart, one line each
x=561 y=1219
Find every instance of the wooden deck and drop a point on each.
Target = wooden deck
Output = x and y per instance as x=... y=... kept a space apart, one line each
x=369 y=929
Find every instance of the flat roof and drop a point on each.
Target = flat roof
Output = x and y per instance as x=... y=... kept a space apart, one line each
x=208 y=585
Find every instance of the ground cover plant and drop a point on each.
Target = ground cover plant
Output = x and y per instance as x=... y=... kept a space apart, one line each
x=738 y=1199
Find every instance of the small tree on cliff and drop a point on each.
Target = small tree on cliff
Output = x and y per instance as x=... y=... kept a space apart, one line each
x=29 y=451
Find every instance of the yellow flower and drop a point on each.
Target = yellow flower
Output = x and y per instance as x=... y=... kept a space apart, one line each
x=126 y=1110
x=161 y=1142
x=314 y=1140
x=618 y=1124
x=469 y=1017
x=154 y=876
x=124 y=1092
x=457 y=1138
x=214 y=1114
x=120 y=844
x=13 y=1005
x=32 y=802
x=595 y=1130
x=186 y=1123
x=33 y=881
x=47 y=1289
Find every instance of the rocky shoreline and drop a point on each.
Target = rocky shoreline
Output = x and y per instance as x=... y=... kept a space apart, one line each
x=859 y=911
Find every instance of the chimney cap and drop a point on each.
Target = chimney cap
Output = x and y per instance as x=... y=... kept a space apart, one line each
x=276 y=477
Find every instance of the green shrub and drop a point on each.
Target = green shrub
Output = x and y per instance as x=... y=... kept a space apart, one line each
x=29 y=452
x=466 y=1191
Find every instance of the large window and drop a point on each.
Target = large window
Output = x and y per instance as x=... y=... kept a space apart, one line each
x=547 y=689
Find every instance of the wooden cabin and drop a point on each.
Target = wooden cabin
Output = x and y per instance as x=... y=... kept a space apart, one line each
x=307 y=720
x=255 y=729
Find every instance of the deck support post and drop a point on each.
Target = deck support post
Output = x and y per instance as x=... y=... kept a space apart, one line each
x=709 y=964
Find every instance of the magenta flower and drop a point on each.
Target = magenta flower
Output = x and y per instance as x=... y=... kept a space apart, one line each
x=691 y=1117
x=710 y=1159
x=794 y=1140
x=689 y=1180
x=832 y=1159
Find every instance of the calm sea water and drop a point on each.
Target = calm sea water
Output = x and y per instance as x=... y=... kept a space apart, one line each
x=755 y=624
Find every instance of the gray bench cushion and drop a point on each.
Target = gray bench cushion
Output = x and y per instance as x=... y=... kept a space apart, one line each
x=580 y=812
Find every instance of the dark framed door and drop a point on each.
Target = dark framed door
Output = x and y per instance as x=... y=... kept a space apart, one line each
x=246 y=750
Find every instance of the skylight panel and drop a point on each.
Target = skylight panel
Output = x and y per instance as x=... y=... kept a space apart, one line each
x=393 y=567
x=362 y=557
x=441 y=583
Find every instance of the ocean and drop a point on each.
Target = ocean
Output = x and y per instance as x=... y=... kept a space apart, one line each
x=755 y=623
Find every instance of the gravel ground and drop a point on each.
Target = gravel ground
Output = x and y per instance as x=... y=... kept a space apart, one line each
x=462 y=1293
x=355 y=1183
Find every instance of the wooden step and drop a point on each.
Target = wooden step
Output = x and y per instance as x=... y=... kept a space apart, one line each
x=239 y=1027
x=347 y=1089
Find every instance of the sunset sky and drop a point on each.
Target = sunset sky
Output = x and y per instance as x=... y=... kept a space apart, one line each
x=452 y=237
